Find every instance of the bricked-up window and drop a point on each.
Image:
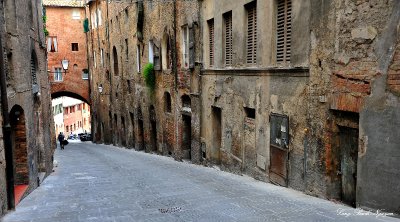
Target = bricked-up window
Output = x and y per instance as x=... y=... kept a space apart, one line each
x=166 y=52
x=185 y=46
x=74 y=47
x=211 y=41
x=251 y=43
x=52 y=44
x=128 y=83
x=283 y=31
x=228 y=38
x=58 y=74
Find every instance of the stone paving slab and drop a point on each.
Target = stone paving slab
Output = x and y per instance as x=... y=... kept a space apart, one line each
x=101 y=183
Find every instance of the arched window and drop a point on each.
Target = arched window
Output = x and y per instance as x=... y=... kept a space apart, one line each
x=115 y=58
x=167 y=102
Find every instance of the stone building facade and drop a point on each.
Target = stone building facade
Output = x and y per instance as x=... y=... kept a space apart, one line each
x=27 y=146
x=299 y=93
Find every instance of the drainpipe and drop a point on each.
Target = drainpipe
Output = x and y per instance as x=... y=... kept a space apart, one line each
x=6 y=131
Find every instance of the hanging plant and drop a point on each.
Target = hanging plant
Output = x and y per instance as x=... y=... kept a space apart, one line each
x=149 y=76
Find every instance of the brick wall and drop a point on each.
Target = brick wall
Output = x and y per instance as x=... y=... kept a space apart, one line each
x=68 y=30
x=393 y=80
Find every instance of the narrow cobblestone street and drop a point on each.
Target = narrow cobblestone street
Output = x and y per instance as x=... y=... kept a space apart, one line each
x=105 y=183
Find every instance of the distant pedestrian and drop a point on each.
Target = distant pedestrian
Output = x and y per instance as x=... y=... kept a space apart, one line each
x=61 y=140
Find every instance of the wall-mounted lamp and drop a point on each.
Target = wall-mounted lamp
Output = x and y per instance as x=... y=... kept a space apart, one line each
x=64 y=64
x=100 y=88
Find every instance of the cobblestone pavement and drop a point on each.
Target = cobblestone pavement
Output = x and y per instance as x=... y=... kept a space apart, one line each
x=105 y=183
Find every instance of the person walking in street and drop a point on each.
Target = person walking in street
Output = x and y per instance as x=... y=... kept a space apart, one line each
x=61 y=140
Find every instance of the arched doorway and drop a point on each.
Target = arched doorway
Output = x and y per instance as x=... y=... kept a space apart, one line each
x=20 y=152
x=186 y=142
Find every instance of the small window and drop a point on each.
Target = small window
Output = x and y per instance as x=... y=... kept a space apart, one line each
x=52 y=44
x=102 y=57
x=75 y=67
x=126 y=49
x=76 y=14
x=138 y=55
x=251 y=45
x=283 y=31
x=74 y=46
x=126 y=15
x=211 y=41
x=186 y=101
x=58 y=74
x=167 y=102
x=66 y=129
x=115 y=59
x=228 y=38
x=85 y=74
x=185 y=46
x=250 y=113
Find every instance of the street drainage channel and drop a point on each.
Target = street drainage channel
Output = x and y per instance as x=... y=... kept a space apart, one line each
x=170 y=210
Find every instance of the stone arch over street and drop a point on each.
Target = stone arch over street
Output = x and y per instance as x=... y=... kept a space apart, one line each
x=83 y=97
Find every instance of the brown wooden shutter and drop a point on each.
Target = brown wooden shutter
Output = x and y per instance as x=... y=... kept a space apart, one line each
x=191 y=47
x=228 y=38
x=284 y=31
x=211 y=41
x=251 y=33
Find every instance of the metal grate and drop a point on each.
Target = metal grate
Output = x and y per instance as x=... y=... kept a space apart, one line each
x=284 y=31
x=211 y=41
x=252 y=34
x=228 y=38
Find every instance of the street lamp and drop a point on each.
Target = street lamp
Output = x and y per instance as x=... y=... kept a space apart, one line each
x=64 y=64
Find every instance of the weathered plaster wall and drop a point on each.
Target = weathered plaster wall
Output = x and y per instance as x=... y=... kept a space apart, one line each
x=380 y=120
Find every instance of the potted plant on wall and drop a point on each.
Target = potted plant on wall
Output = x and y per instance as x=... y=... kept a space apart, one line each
x=149 y=76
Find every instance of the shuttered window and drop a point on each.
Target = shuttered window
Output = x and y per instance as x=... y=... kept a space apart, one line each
x=228 y=38
x=211 y=40
x=251 y=33
x=284 y=31
x=52 y=44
